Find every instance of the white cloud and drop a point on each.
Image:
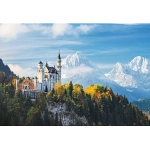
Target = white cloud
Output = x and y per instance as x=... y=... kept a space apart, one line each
x=54 y=30
x=85 y=28
x=46 y=30
x=61 y=29
x=105 y=66
x=11 y=31
x=65 y=42
x=109 y=51
x=68 y=29
x=22 y=71
x=80 y=70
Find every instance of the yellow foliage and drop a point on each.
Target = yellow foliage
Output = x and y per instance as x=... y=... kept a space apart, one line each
x=97 y=91
x=59 y=89
x=57 y=86
x=77 y=90
x=66 y=85
x=90 y=90
x=14 y=82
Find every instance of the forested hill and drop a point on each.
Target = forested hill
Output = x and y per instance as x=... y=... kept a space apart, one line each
x=5 y=68
x=98 y=104
x=68 y=104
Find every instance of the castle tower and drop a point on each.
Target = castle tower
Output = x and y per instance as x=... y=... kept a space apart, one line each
x=35 y=82
x=58 y=67
x=17 y=82
x=40 y=72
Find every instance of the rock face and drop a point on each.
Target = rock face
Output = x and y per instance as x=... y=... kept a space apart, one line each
x=67 y=117
x=5 y=68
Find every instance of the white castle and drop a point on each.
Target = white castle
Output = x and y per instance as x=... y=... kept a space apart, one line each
x=46 y=78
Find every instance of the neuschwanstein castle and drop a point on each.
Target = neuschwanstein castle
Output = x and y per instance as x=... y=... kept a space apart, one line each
x=46 y=78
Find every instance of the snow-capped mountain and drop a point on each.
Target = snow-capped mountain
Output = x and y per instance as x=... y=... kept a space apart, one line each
x=79 y=69
x=120 y=74
x=76 y=60
x=135 y=74
x=140 y=64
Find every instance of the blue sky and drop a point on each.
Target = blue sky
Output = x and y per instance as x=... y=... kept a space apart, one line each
x=24 y=45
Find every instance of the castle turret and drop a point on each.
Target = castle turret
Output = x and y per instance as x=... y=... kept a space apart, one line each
x=58 y=66
x=40 y=72
x=17 y=82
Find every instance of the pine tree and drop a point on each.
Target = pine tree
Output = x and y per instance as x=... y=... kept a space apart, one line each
x=70 y=89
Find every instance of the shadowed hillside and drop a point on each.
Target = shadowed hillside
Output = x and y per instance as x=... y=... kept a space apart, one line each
x=5 y=68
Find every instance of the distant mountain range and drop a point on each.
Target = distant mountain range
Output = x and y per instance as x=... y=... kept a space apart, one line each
x=131 y=80
x=5 y=68
x=135 y=74
x=143 y=105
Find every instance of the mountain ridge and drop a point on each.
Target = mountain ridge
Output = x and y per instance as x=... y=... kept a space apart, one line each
x=132 y=74
x=87 y=74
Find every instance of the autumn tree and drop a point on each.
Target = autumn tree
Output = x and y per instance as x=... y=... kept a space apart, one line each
x=2 y=77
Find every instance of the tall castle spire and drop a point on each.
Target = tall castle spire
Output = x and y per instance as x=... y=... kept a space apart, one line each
x=46 y=64
x=59 y=55
x=40 y=72
x=58 y=66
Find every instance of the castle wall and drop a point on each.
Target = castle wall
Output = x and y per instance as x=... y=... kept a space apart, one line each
x=27 y=83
